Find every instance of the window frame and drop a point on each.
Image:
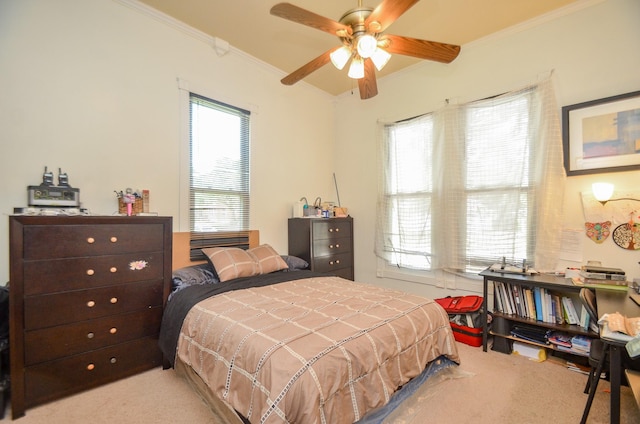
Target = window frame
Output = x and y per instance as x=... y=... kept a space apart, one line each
x=243 y=170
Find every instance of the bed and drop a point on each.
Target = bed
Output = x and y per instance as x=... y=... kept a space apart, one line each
x=280 y=344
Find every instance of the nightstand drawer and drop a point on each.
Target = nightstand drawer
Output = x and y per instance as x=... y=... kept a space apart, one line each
x=55 y=275
x=67 y=307
x=67 y=241
x=65 y=340
x=52 y=380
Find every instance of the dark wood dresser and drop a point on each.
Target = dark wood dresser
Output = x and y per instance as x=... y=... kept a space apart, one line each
x=86 y=301
x=326 y=243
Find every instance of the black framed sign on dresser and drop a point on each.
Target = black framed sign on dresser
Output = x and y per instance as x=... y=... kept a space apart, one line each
x=86 y=301
x=326 y=243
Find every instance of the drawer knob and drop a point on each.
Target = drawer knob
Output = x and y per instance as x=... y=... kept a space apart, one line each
x=113 y=300
x=113 y=269
x=113 y=239
x=331 y=230
x=337 y=230
x=113 y=330
x=113 y=360
x=91 y=303
x=91 y=240
x=90 y=336
x=90 y=272
x=90 y=367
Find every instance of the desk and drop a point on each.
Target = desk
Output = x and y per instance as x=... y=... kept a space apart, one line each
x=611 y=301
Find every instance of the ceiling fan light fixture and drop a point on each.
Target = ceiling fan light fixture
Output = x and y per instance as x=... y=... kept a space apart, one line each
x=366 y=45
x=356 y=70
x=380 y=58
x=340 y=57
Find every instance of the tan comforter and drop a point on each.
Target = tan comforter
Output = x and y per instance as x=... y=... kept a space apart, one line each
x=314 y=350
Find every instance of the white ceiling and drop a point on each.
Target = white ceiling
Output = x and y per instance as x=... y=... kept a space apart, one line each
x=247 y=25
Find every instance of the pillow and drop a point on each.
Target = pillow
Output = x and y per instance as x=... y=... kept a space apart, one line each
x=295 y=263
x=191 y=276
x=267 y=259
x=232 y=262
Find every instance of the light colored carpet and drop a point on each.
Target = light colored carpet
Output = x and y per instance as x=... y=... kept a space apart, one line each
x=488 y=387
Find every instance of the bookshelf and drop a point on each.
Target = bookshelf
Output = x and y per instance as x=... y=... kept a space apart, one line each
x=504 y=322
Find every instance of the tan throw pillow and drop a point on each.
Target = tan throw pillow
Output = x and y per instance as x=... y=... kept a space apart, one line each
x=231 y=262
x=267 y=259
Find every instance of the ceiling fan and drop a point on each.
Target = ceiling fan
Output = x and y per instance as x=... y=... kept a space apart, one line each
x=363 y=41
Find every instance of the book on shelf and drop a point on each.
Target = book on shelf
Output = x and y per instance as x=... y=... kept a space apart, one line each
x=538 y=301
x=570 y=310
x=602 y=276
x=600 y=284
x=602 y=269
x=535 y=303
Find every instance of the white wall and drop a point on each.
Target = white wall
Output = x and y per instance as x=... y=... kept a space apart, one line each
x=593 y=49
x=91 y=87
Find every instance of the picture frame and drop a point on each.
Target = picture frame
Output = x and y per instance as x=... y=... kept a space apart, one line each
x=602 y=135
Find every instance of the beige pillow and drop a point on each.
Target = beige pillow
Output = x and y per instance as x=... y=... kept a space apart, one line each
x=232 y=262
x=267 y=259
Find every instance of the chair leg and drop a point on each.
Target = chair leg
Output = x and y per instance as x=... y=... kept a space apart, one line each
x=594 y=383
x=592 y=372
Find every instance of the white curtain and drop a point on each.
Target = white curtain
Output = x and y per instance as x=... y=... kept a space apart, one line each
x=468 y=184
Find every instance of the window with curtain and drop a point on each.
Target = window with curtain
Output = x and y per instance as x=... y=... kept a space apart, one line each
x=219 y=166
x=464 y=186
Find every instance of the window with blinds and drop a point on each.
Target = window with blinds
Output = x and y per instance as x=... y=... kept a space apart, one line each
x=219 y=167
x=464 y=186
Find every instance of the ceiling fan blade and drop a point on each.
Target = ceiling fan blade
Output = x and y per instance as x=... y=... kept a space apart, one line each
x=296 y=14
x=387 y=12
x=308 y=68
x=422 y=49
x=368 y=85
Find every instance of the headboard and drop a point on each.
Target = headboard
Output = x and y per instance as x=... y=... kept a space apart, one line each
x=182 y=244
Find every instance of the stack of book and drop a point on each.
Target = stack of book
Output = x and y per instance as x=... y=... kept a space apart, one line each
x=576 y=344
x=537 y=303
x=597 y=277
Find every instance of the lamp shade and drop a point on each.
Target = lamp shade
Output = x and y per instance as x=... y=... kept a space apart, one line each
x=380 y=58
x=340 y=57
x=602 y=191
x=356 y=70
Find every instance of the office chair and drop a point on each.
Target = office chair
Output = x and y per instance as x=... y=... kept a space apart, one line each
x=597 y=353
x=588 y=299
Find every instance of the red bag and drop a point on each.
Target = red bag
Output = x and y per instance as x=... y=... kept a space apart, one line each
x=467 y=335
x=460 y=304
x=464 y=309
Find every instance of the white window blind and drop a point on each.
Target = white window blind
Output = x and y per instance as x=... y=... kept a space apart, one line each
x=219 y=166
x=466 y=185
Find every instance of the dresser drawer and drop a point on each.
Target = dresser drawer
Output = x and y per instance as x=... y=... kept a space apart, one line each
x=65 y=340
x=331 y=228
x=54 y=275
x=333 y=263
x=331 y=246
x=52 y=380
x=66 y=241
x=67 y=307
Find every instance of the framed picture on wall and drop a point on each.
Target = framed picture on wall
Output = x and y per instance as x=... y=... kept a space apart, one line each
x=602 y=135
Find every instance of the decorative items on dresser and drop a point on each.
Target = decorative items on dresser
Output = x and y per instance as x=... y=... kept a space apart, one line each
x=86 y=301
x=326 y=243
